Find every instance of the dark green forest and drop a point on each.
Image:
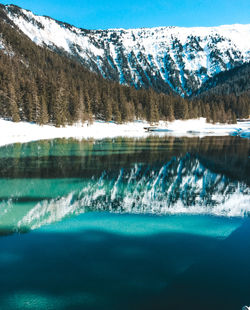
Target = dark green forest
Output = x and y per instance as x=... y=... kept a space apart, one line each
x=41 y=86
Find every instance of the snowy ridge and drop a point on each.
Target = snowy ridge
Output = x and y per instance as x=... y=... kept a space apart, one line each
x=180 y=58
x=181 y=186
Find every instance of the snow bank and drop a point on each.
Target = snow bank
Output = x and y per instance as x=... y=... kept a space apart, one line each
x=22 y=132
x=202 y=128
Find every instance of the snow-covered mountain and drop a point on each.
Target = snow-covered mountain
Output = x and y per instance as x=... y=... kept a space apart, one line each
x=163 y=58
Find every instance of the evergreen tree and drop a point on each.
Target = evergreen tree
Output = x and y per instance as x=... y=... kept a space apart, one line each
x=13 y=105
x=87 y=105
x=44 y=117
x=107 y=109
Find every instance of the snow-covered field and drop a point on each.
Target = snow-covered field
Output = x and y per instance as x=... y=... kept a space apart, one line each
x=21 y=132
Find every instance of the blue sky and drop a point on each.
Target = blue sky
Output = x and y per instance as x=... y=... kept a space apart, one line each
x=103 y=14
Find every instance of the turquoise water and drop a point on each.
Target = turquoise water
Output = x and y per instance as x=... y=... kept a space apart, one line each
x=157 y=223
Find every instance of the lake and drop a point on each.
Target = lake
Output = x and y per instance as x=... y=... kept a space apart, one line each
x=153 y=223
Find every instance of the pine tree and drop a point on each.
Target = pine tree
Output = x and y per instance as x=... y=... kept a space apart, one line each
x=35 y=108
x=87 y=105
x=78 y=108
x=60 y=103
x=181 y=109
x=107 y=109
x=153 y=113
x=44 y=117
x=117 y=114
x=13 y=105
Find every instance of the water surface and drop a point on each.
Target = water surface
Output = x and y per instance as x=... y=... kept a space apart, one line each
x=156 y=223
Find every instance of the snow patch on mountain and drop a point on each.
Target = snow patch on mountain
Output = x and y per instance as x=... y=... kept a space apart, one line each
x=2 y=47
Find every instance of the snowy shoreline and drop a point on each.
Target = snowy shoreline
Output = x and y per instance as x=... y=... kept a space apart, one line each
x=23 y=132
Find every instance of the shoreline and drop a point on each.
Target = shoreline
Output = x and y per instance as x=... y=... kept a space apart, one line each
x=23 y=132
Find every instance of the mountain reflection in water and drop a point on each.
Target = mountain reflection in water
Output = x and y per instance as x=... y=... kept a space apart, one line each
x=46 y=181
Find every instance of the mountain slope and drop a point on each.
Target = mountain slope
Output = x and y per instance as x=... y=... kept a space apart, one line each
x=235 y=81
x=161 y=58
x=42 y=86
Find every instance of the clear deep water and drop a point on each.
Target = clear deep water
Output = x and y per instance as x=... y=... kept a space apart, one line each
x=156 y=223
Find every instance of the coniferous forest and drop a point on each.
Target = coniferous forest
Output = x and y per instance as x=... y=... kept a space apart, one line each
x=41 y=86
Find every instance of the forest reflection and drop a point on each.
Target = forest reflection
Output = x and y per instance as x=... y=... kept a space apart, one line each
x=69 y=158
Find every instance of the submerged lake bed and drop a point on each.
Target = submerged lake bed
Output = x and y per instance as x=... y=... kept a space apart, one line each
x=152 y=223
